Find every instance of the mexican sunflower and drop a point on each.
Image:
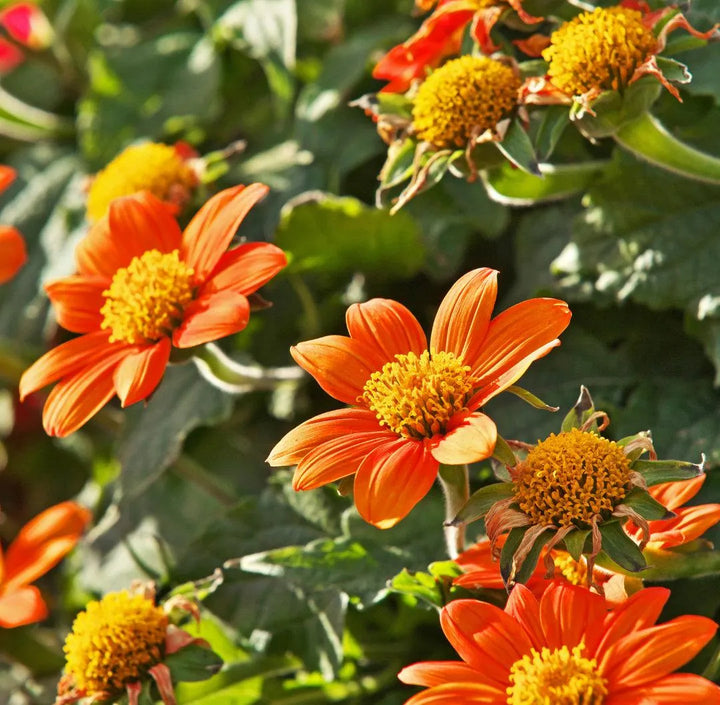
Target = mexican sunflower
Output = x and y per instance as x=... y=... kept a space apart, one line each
x=12 y=245
x=26 y=23
x=566 y=648
x=441 y=35
x=37 y=548
x=414 y=405
x=142 y=287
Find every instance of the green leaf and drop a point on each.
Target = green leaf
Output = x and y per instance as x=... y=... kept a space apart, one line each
x=193 y=663
x=531 y=560
x=508 y=551
x=433 y=587
x=530 y=398
x=583 y=409
x=555 y=118
x=342 y=235
x=620 y=547
x=646 y=505
x=674 y=565
x=481 y=500
x=503 y=452
x=656 y=472
x=518 y=148
x=575 y=542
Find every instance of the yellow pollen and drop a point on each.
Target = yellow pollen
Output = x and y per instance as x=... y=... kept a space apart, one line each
x=462 y=99
x=567 y=567
x=114 y=642
x=598 y=50
x=154 y=167
x=556 y=677
x=570 y=478
x=416 y=396
x=146 y=299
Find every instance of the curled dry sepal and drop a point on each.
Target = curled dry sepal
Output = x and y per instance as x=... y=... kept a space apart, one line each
x=575 y=490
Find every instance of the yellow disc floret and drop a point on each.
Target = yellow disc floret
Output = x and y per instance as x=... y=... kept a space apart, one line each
x=114 y=642
x=571 y=478
x=567 y=567
x=146 y=299
x=153 y=167
x=598 y=50
x=556 y=677
x=462 y=99
x=416 y=396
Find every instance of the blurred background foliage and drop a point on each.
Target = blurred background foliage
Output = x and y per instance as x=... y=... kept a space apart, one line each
x=298 y=601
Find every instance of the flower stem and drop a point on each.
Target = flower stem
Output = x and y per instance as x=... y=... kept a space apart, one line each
x=456 y=488
x=646 y=138
x=236 y=378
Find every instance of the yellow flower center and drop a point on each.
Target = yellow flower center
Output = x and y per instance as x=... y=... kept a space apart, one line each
x=145 y=300
x=598 y=50
x=415 y=396
x=559 y=677
x=570 y=478
x=567 y=567
x=157 y=168
x=462 y=99
x=114 y=642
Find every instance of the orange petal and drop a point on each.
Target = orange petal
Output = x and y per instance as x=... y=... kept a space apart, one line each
x=42 y=543
x=518 y=336
x=463 y=317
x=7 y=176
x=138 y=373
x=480 y=568
x=77 y=301
x=649 y=654
x=246 y=268
x=209 y=233
x=571 y=614
x=22 y=606
x=430 y=673
x=294 y=446
x=472 y=440
x=99 y=253
x=76 y=399
x=212 y=317
x=392 y=479
x=674 y=494
x=485 y=637
x=689 y=524
x=337 y=458
x=13 y=254
x=340 y=365
x=459 y=694
x=685 y=688
x=387 y=326
x=65 y=360
x=524 y=607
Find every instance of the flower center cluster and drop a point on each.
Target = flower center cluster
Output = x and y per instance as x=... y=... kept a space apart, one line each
x=562 y=677
x=416 y=396
x=598 y=50
x=462 y=99
x=570 y=478
x=145 y=300
x=114 y=642
x=157 y=168
x=567 y=567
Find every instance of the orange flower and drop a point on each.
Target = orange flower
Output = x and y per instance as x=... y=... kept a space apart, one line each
x=143 y=287
x=12 y=246
x=39 y=546
x=566 y=647
x=416 y=405
x=441 y=35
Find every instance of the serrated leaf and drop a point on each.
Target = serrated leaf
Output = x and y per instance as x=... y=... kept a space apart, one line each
x=646 y=505
x=481 y=500
x=620 y=547
x=656 y=472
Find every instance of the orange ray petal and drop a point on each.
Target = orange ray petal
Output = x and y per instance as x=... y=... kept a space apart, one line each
x=64 y=360
x=570 y=614
x=460 y=694
x=337 y=458
x=685 y=688
x=463 y=318
x=246 y=268
x=430 y=673
x=649 y=654
x=481 y=569
x=7 y=176
x=42 y=543
x=209 y=233
x=77 y=301
x=391 y=480
x=22 y=606
x=76 y=399
x=138 y=373
x=212 y=317
x=470 y=441
x=387 y=326
x=674 y=494
x=524 y=607
x=98 y=253
x=689 y=524
x=13 y=254
x=518 y=335
x=340 y=365
x=485 y=637
x=296 y=444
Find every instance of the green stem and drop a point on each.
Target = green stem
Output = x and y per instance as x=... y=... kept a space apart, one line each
x=312 y=316
x=712 y=671
x=456 y=488
x=646 y=138
x=234 y=377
